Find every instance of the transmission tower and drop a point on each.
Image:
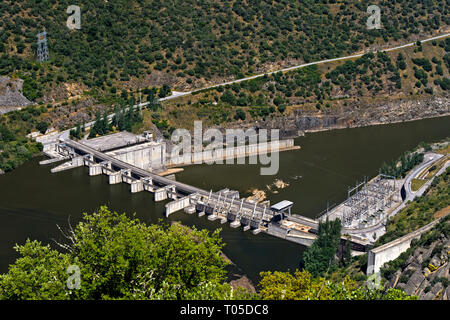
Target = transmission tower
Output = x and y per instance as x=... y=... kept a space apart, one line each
x=42 y=49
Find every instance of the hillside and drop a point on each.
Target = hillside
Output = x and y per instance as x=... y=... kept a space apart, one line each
x=423 y=270
x=137 y=44
x=132 y=50
x=354 y=87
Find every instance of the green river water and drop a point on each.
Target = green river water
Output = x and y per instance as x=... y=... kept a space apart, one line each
x=33 y=200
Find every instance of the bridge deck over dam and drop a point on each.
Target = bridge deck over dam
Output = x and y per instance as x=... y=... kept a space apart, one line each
x=224 y=204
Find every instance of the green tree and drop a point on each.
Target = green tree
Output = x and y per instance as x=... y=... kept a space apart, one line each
x=320 y=256
x=164 y=91
x=39 y=274
x=228 y=97
x=240 y=114
x=303 y=286
x=42 y=126
x=121 y=258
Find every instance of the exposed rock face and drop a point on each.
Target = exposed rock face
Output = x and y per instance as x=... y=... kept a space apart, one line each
x=70 y=115
x=426 y=271
x=64 y=91
x=155 y=79
x=243 y=282
x=414 y=282
x=356 y=114
x=11 y=95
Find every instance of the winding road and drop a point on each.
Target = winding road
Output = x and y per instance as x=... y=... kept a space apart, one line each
x=378 y=228
x=180 y=94
x=177 y=94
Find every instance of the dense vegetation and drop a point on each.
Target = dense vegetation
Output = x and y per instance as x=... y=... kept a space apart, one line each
x=399 y=168
x=15 y=147
x=194 y=40
x=123 y=120
x=319 y=258
x=303 y=286
x=322 y=88
x=121 y=258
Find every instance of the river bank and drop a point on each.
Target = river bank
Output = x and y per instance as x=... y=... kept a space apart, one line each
x=355 y=114
x=320 y=172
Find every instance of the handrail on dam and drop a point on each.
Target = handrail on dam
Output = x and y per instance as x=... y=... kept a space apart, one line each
x=182 y=188
x=221 y=205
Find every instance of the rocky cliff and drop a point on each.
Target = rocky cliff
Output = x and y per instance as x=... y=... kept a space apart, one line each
x=425 y=272
x=356 y=114
x=11 y=96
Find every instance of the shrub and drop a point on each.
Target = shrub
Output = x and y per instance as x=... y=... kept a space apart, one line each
x=403 y=278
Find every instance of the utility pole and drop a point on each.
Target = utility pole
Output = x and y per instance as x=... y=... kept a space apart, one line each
x=42 y=49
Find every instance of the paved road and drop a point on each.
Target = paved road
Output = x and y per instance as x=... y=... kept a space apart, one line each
x=429 y=159
x=179 y=94
x=176 y=94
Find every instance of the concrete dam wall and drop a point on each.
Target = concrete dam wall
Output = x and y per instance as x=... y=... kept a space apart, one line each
x=221 y=154
x=392 y=250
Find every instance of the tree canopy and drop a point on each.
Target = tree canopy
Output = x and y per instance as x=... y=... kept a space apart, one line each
x=320 y=256
x=303 y=286
x=121 y=258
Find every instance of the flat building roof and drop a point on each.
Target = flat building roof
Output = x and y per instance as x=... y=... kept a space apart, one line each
x=283 y=205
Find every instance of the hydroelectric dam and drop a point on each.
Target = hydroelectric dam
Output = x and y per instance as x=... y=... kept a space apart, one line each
x=224 y=205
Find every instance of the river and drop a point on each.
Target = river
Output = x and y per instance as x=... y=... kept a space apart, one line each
x=33 y=200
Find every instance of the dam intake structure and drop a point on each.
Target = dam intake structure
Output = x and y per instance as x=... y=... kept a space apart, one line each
x=143 y=175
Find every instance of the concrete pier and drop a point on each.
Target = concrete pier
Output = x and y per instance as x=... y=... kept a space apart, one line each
x=115 y=178
x=177 y=205
x=213 y=217
x=171 y=191
x=160 y=194
x=137 y=186
x=147 y=184
x=78 y=161
x=95 y=169
x=126 y=176
x=235 y=224
x=190 y=209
